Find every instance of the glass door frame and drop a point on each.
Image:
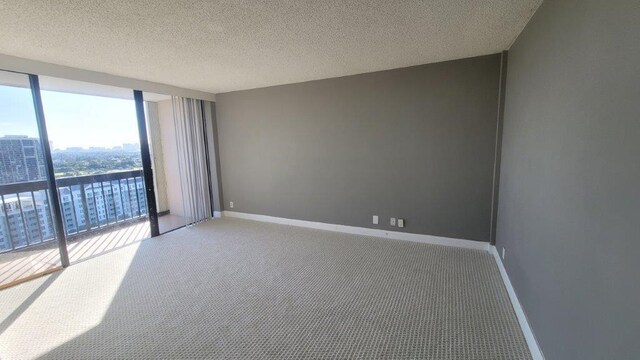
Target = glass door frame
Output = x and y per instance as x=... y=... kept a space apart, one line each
x=147 y=170
x=53 y=198
x=51 y=179
x=55 y=201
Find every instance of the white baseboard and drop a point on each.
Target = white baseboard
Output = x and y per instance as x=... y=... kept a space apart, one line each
x=217 y=214
x=535 y=350
x=396 y=235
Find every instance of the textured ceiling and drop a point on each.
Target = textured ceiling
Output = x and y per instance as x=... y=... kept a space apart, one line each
x=219 y=46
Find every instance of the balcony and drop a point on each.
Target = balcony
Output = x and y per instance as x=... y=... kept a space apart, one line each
x=99 y=212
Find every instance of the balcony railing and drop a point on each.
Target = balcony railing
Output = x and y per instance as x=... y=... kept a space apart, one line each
x=25 y=217
x=88 y=203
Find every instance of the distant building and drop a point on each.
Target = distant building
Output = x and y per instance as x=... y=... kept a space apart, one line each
x=21 y=159
x=107 y=203
x=26 y=222
x=26 y=219
x=131 y=147
x=75 y=149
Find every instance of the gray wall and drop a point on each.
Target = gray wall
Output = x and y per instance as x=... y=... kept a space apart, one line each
x=569 y=208
x=415 y=143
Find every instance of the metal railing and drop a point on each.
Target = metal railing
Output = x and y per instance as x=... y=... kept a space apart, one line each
x=88 y=203
x=25 y=217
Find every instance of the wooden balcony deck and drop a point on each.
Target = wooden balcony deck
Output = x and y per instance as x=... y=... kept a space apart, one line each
x=20 y=266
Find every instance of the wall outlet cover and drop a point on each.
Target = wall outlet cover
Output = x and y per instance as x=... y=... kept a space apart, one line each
x=375 y=219
x=503 y=253
x=231 y=204
x=401 y=223
x=393 y=222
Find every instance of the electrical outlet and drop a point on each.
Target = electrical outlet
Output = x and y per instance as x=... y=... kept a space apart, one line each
x=401 y=223
x=231 y=204
x=393 y=222
x=502 y=253
x=375 y=219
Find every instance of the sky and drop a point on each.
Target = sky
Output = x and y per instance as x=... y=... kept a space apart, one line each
x=73 y=120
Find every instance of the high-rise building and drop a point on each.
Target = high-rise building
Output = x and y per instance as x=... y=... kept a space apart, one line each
x=25 y=218
x=27 y=221
x=21 y=159
x=106 y=202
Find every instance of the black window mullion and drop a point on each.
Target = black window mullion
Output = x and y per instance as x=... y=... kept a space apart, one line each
x=51 y=180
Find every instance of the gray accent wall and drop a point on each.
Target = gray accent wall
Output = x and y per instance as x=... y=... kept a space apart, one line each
x=569 y=205
x=415 y=143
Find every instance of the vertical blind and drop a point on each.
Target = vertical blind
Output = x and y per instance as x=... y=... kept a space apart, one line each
x=188 y=117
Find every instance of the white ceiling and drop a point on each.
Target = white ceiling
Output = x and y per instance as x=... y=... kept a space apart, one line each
x=220 y=46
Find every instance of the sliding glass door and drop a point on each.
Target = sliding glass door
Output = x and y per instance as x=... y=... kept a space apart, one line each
x=87 y=168
x=177 y=129
x=75 y=173
x=29 y=245
x=164 y=153
x=96 y=153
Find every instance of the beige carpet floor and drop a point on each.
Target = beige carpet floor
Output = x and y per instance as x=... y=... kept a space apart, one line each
x=238 y=289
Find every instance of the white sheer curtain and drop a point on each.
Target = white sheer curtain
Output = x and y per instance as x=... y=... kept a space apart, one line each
x=192 y=161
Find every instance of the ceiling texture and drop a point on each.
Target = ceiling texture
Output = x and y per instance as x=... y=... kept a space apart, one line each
x=227 y=45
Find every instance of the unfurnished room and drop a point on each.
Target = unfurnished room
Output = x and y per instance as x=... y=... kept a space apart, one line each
x=334 y=179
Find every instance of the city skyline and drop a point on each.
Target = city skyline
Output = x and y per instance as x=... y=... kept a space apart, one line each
x=25 y=214
x=123 y=146
x=22 y=159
